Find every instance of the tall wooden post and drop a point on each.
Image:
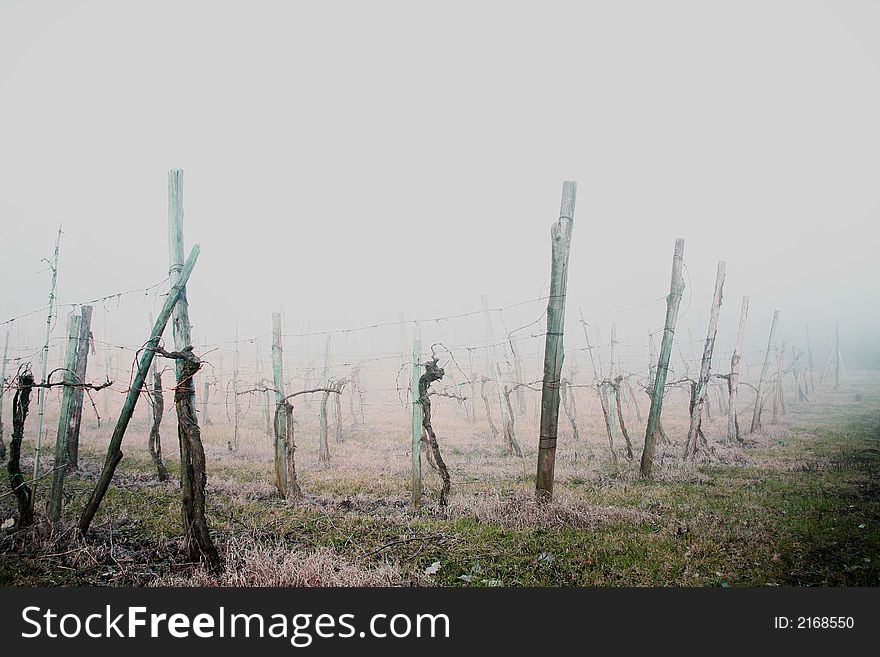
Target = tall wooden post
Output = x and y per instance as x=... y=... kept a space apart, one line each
x=233 y=446
x=673 y=301
x=44 y=362
x=193 y=476
x=733 y=380
x=2 y=391
x=74 y=322
x=416 y=426
x=114 y=451
x=82 y=361
x=495 y=373
x=702 y=384
x=280 y=417
x=759 y=401
x=554 y=353
x=810 y=360
x=778 y=399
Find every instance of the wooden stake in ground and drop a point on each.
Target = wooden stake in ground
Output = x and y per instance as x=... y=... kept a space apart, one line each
x=323 y=445
x=114 y=451
x=695 y=432
x=197 y=542
x=778 y=399
x=20 y=405
x=2 y=393
x=233 y=445
x=82 y=361
x=283 y=417
x=759 y=398
x=74 y=322
x=554 y=353
x=733 y=378
x=416 y=427
x=673 y=301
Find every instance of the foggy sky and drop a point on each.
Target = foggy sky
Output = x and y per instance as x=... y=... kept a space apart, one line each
x=351 y=160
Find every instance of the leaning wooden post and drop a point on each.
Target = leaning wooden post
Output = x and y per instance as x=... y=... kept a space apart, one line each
x=673 y=301
x=553 y=346
x=733 y=379
x=416 y=426
x=695 y=432
x=74 y=322
x=2 y=391
x=114 y=451
x=759 y=402
x=82 y=361
x=280 y=417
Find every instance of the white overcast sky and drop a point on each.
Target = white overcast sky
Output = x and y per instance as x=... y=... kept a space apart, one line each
x=349 y=160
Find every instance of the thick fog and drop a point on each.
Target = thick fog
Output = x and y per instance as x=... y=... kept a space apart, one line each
x=352 y=161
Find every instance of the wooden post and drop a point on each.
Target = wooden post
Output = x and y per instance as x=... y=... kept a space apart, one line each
x=74 y=323
x=495 y=373
x=198 y=544
x=673 y=301
x=810 y=360
x=2 y=391
x=114 y=451
x=323 y=443
x=416 y=427
x=554 y=353
x=777 y=390
x=280 y=417
x=733 y=379
x=759 y=402
x=82 y=361
x=233 y=446
x=695 y=432
x=44 y=361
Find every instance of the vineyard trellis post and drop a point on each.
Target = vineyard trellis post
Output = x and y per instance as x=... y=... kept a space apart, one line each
x=733 y=378
x=554 y=353
x=676 y=288
x=74 y=323
x=281 y=418
x=82 y=362
x=701 y=387
x=416 y=427
x=3 y=393
x=759 y=401
x=114 y=451
x=233 y=446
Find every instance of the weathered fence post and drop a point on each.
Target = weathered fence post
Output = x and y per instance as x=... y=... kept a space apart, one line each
x=114 y=451
x=759 y=402
x=236 y=409
x=695 y=432
x=673 y=301
x=416 y=427
x=733 y=379
x=2 y=392
x=82 y=362
x=554 y=353
x=778 y=399
x=280 y=417
x=198 y=544
x=74 y=322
